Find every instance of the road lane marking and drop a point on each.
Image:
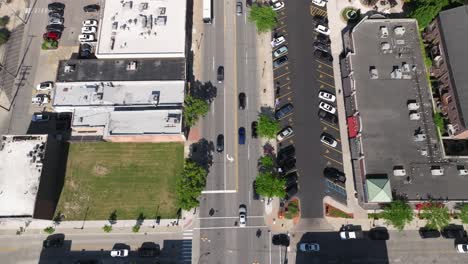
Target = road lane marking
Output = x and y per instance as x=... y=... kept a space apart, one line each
x=227 y=217
x=248 y=151
x=246 y=57
x=228 y=227
x=328 y=147
x=324 y=64
x=327 y=157
x=325 y=73
x=213 y=64
x=325 y=123
x=282 y=75
x=326 y=83
x=270 y=245
x=286 y=94
x=219 y=191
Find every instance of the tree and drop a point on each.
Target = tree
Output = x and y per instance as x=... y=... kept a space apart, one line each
x=464 y=213
x=437 y=216
x=49 y=230
x=398 y=213
x=4 y=21
x=268 y=185
x=190 y=185
x=264 y=17
x=426 y=10
x=267 y=127
x=193 y=109
x=266 y=162
x=107 y=228
x=4 y=35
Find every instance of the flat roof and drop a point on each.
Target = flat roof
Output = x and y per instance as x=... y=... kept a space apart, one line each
x=142 y=29
x=121 y=70
x=388 y=72
x=119 y=93
x=20 y=173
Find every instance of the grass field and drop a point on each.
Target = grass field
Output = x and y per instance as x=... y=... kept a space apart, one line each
x=131 y=178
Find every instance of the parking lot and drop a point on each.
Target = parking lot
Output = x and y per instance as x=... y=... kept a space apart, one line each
x=299 y=81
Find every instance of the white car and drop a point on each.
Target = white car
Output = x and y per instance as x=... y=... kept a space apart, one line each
x=242 y=216
x=309 y=247
x=320 y=3
x=277 y=41
x=88 y=30
x=322 y=30
x=119 y=253
x=40 y=99
x=327 y=140
x=45 y=86
x=86 y=38
x=326 y=107
x=287 y=132
x=90 y=23
x=462 y=248
x=280 y=52
x=277 y=6
x=327 y=96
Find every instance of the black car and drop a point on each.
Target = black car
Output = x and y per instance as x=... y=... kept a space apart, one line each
x=323 y=39
x=284 y=110
x=281 y=61
x=242 y=99
x=320 y=46
x=56 y=6
x=55 y=240
x=291 y=191
x=220 y=74
x=91 y=8
x=320 y=20
x=220 y=143
x=56 y=14
x=453 y=231
x=323 y=55
x=54 y=27
x=241 y=135
x=254 y=129
x=86 y=51
x=334 y=175
x=284 y=153
x=255 y=195
x=328 y=117
x=428 y=233
x=280 y=240
x=287 y=166
x=291 y=179
x=379 y=233
x=149 y=249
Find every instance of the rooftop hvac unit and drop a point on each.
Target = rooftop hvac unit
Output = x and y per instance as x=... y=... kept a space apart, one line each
x=420 y=137
x=462 y=171
x=399 y=172
x=383 y=32
x=399 y=31
x=437 y=171
x=413 y=106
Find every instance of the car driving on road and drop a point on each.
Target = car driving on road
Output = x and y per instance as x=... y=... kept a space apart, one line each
x=220 y=143
x=254 y=129
x=220 y=74
x=241 y=135
x=242 y=101
x=242 y=215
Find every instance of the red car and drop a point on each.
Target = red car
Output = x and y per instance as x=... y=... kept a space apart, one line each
x=54 y=35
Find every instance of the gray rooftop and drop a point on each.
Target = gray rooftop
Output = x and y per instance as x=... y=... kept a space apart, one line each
x=121 y=70
x=388 y=71
x=454 y=26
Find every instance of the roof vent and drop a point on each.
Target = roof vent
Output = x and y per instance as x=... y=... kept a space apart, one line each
x=399 y=171
x=69 y=68
x=437 y=171
x=132 y=66
x=396 y=73
x=374 y=73
x=462 y=170
x=413 y=106
x=383 y=32
x=399 y=30
x=142 y=6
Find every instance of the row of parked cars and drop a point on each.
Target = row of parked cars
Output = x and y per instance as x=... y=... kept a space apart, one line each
x=55 y=21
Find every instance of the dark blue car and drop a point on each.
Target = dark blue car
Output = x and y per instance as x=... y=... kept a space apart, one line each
x=241 y=136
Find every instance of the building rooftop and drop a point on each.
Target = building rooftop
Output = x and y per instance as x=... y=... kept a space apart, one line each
x=121 y=70
x=388 y=74
x=20 y=173
x=454 y=23
x=119 y=93
x=142 y=29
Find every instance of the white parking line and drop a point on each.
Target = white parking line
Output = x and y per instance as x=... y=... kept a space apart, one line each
x=219 y=191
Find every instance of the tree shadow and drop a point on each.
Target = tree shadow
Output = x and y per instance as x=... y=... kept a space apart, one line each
x=140 y=219
x=201 y=152
x=204 y=91
x=267 y=110
x=113 y=217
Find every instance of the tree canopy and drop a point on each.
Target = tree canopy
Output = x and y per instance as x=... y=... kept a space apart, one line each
x=268 y=127
x=464 y=213
x=190 y=185
x=266 y=162
x=426 y=10
x=264 y=17
x=437 y=216
x=268 y=185
x=398 y=213
x=193 y=109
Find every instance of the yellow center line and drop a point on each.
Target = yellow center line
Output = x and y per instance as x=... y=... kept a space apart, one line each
x=285 y=84
x=281 y=67
x=324 y=64
x=325 y=73
x=326 y=83
x=325 y=156
x=284 y=95
x=328 y=147
x=325 y=123
x=282 y=75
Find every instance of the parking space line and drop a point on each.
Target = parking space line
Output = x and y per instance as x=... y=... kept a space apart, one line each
x=281 y=67
x=324 y=64
x=328 y=147
x=282 y=75
x=285 y=116
x=281 y=18
x=280 y=27
x=325 y=123
x=325 y=73
x=285 y=84
x=326 y=84
x=284 y=95
x=332 y=159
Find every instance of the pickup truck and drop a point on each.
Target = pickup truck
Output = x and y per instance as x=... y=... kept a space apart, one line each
x=351 y=232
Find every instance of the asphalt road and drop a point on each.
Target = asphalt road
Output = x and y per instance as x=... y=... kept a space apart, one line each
x=299 y=82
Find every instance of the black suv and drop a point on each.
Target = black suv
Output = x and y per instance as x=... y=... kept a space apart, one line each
x=284 y=110
x=286 y=152
x=320 y=46
x=280 y=240
x=379 y=233
x=56 y=6
x=91 y=8
x=323 y=55
x=55 y=240
x=428 y=233
x=334 y=175
x=220 y=74
x=220 y=143
x=291 y=179
x=287 y=165
x=254 y=129
x=453 y=231
x=328 y=117
x=149 y=249
x=323 y=39
x=242 y=99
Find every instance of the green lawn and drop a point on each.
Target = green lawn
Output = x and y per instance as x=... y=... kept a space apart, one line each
x=131 y=178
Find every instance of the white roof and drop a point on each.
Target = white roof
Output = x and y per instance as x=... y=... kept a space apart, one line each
x=142 y=29
x=20 y=173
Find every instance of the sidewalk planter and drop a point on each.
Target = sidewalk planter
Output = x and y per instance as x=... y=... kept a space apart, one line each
x=350 y=14
x=335 y=212
x=49 y=44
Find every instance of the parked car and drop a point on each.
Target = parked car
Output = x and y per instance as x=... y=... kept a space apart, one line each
x=323 y=39
x=309 y=247
x=55 y=240
x=40 y=117
x=242 y=101
x=56 y=6
x=90 y=23
x=280 y=52
x=320 y=46
x=255 y=195
x=285 y=133
x=328 y=140
x=284 y=111
x=379 y=233
x=325 y=116
x=119 y=253
x=88 y=30
x=54 y=27
x=462 y=248
x=334 y=174
x=91 y=8
x=428 y=233
x=291 y=179
x=279 y=62
x=241 y=135
x=239 y=8
x=277 y=6
x=45 y=86
x=280 y=240
x=220 y=74
x=323 y=55
x=86 y=50
x=326 y=107
x=55 y=21
x=350 y=232
x=56 y=14
x=322 y=29
x=285 y=153
x=242 y=215
x=453 y=231
x=86 y=38
x=53 y=35
x=149 y=249
x=254 y=129
x=277 y=41
x=320 y=19
x=220 y=143
x=287 y=165
x=326 y=96
x=320 y=3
